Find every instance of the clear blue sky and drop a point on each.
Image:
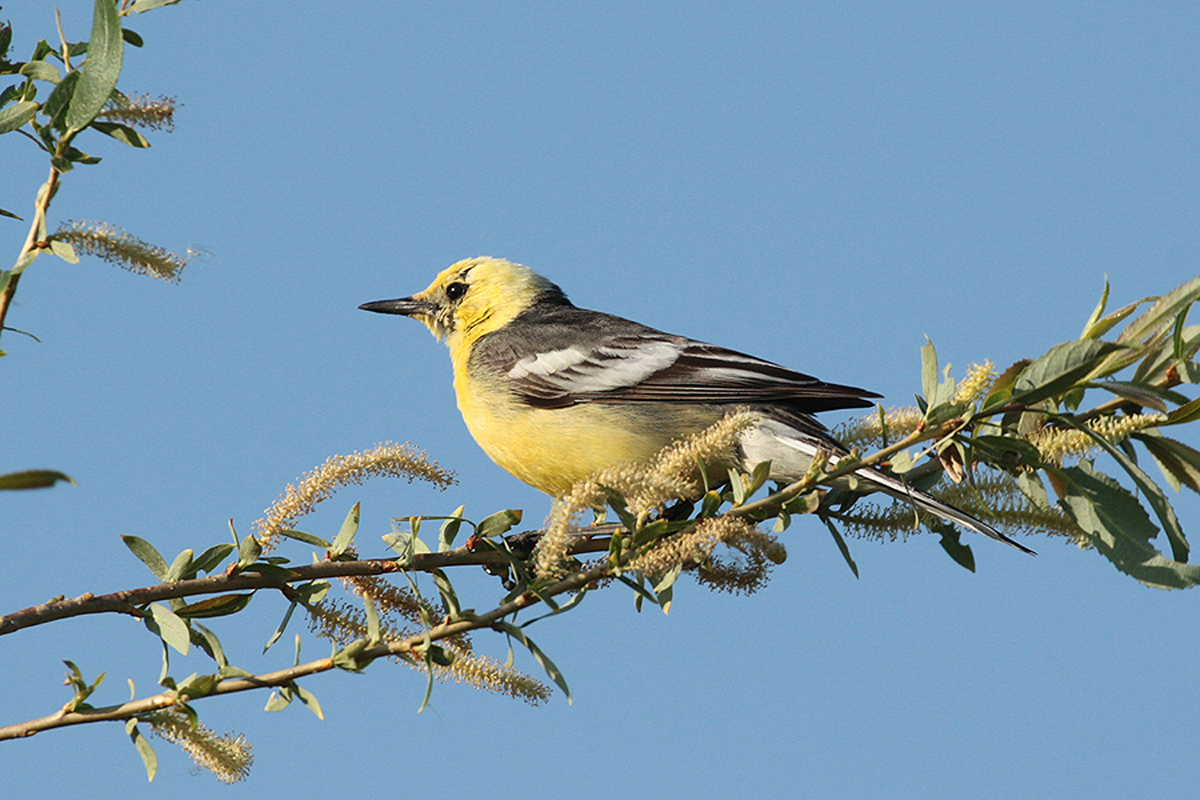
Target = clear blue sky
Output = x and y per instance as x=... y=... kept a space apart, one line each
x=821 y=184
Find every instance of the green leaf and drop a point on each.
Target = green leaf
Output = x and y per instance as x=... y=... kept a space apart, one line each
x=1162 y=313
x=1095 y=317
x=1005 y=452
x=1154 y=495
x=287 y=617
x=1061 y=368
x=929 y=371
x=168 y=626
x=345 y=536
x=279 y=699
x=10 y=215
x=551 y=670
x=499 y=523
x=149 y=759
x=450 y=530
x=40 y=71
x=961 y=553
x=310 y=701
x=248 y=551
x=64 y=250
x=219 y=606
x=307 y=538
x=197 y=686
x=1179 y=463
x=1143 y=394
x=142 y=6
x=207 y=641
x=17 y=115
x=1188 y=412
x=842 y=547
x=446 y=590
x=211 y=558
x=24 y=261
x=98 y=76
x=122 y=133
x=373 y=627
x=33 y=479
x=148 y=555
x=180 y=567
x=1119 y=528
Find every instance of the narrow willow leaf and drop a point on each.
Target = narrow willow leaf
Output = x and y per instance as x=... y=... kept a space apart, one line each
x=1175 y=354
x=446 y=590
x=1142 y=394
x=98 y=76
x=287 y=617
x=373 y=627
x=450 y=530
x=17 y=114
x=1188 y=412
x=148 y=555
x=345 y=536
x=122 y=133
x=929 y=371
x=168 y=626
x=33 y=479
x=310 y=700
x=149 y=759
x=307 y=538
x=664 y=585
x=219 y=606
x=1179 y=463
x=551 y=670
x=1162 y=313
x=207 y=641
x=842 y=547
x=1119 y=528
x=1088 y=332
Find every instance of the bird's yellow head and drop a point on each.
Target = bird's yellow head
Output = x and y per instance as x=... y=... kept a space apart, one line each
x=471 y=298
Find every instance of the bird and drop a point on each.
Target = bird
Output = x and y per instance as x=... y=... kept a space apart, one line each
x=553 y=393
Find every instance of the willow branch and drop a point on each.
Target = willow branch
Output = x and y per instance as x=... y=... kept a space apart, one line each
x=408 y=646
x=128 y=601
x=40 y=207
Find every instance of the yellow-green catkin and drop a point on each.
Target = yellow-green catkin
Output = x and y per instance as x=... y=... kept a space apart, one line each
x=978 y=381
x=1056 y=444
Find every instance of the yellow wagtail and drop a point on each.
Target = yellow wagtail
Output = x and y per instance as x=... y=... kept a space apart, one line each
x=553 y=393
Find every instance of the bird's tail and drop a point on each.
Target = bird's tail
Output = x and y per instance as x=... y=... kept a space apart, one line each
x=790 y=443
x=894 y=487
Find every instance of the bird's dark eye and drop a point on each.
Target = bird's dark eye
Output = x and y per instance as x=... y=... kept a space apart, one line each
x=456 y=290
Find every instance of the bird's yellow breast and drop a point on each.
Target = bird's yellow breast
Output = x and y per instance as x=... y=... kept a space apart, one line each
x=552 y=449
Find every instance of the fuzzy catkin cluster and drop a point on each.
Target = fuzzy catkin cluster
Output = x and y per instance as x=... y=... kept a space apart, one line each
x=671 y=475
x=228 y=757
x=1055 y=444
x=117 y=246
x=385 y=460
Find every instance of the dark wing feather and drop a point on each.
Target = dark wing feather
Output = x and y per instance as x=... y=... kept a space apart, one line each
x=556 y=355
